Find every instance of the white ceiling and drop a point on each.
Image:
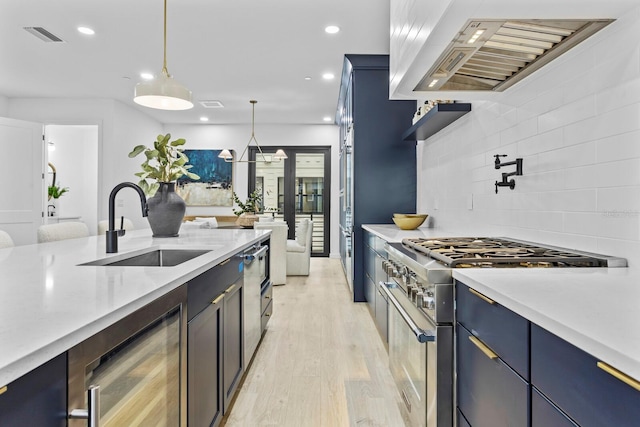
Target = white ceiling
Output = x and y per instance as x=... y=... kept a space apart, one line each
x=231 y=51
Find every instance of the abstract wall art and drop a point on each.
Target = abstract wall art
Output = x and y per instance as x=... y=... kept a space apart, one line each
x=215 y=185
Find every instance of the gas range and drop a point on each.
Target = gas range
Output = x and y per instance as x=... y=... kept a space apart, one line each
x=498 y=252
x=423 y=267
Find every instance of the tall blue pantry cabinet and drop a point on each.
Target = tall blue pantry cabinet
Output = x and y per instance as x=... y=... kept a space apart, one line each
x=377 y=168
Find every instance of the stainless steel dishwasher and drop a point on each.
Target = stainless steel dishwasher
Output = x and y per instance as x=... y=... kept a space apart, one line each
x=255 y=273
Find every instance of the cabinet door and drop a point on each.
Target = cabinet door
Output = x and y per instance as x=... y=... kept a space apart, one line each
x=501 y=329
x=573 y=381
x=233 y=352
x=204 y=375
x=490 y=393
x=546 y=414
x=38 y=398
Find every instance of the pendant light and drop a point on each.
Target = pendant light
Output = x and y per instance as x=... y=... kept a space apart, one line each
x=163 y=93
x=228 y=157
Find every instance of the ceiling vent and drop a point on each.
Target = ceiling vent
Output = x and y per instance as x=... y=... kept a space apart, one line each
x=492 y=55
x=44 y=35
x=211 y=104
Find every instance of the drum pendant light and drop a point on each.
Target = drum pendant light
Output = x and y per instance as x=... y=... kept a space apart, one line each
x=163 y=93
x=278 y=156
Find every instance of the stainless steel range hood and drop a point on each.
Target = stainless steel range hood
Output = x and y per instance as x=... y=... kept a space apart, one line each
x=492 y=55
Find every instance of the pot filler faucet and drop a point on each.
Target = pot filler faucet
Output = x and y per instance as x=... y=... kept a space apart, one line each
x=505 y=176
x=112 y=233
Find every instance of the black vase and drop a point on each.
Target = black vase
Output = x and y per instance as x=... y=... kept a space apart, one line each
x=166 y=211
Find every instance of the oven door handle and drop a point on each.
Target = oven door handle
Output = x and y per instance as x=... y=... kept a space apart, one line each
x=421 y=335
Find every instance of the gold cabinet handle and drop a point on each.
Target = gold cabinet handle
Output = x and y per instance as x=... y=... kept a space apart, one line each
x=267 y=297
x=619 y=375
x=225 y=261
x=483 y=347
x=267 y=315
x=218 y=299
x=3 y=389
x=481 y=296
x=230 y=288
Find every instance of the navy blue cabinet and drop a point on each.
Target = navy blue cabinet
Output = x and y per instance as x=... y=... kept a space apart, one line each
x=574 y=381
x=214 y=346
x=374 y=255
x=546 y=414
x=378 y=177
x=492 y=361
x=38 y=398
x=498 y=327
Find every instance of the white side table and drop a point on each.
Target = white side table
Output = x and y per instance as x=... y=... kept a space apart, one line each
x=278 y=249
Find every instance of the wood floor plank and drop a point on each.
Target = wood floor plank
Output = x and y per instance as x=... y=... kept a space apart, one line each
x=321 y=362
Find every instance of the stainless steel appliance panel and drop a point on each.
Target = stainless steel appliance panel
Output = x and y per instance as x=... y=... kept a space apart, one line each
x=421 y=362
x=254 y=274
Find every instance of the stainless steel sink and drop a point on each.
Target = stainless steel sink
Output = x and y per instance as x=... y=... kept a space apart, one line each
x=154 y=258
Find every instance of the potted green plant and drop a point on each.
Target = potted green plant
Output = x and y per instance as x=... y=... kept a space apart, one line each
x=247 y=211
x=55 y=191
x=164 y=163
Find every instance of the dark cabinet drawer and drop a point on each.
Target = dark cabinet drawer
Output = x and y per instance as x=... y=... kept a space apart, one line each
x=572 y=380
x=502 y=330
x=546 y=414
x=490 y=393
x=204 y=288
x=38 y=398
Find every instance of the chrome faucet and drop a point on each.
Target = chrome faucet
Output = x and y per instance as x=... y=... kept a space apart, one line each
x=112 y=233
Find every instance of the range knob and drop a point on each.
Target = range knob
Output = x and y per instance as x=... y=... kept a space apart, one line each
x=412 y=292
x=428 y=302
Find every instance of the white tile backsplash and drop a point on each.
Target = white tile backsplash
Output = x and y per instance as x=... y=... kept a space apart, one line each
x=576 y=124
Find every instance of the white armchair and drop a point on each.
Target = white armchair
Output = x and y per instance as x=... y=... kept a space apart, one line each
x=299 y=250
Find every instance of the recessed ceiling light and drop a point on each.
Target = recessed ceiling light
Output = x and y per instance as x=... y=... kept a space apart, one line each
x=307 y=78
x=204 y=119
x=326 y=118
x=86 y=30
x=332 y=29
x=328 y=76
x=146 y=76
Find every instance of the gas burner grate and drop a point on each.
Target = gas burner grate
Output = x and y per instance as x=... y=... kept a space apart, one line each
x=464 y=252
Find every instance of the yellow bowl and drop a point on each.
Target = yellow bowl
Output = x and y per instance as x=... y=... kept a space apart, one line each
x=400 y=215
x=409 y=222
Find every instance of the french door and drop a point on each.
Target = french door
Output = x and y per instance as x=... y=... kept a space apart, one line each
x=296 y=188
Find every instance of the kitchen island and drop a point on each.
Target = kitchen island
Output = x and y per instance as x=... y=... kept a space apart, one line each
x=50 y=303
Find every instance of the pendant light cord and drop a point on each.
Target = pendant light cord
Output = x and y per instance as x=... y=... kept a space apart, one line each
x=164 y=62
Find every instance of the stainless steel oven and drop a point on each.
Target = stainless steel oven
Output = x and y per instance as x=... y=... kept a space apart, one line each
x=421 y=361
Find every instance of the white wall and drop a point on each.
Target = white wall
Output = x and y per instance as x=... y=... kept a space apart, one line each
x=235 y=137
x=576 y=124
x=121 y=128
x=4 y=106
x=81 y=177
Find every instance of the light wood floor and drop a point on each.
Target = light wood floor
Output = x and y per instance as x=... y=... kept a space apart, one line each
x=321 y=362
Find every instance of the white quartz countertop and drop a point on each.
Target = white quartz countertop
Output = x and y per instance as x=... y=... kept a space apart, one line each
x=49 y=303
x=595 y=309
x=391 y=233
